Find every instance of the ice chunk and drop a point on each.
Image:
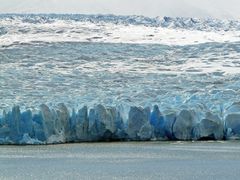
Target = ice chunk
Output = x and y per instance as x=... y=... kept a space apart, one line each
x=26 y=124
x=146 y=132
x=62 y=122
x=232 y=125
x=138 y=117
x=184 y=124
x=26 y=139
x=15 y=117
x=107 y=117
x=232 y=121
x=210 y=128
x=169 y=119
x=82 y=124
x=48 y=120
x=4 y=132
x=158 y=123
x=38 y=127
x=103 y=122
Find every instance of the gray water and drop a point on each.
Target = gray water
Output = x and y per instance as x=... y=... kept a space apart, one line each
x=146 y=160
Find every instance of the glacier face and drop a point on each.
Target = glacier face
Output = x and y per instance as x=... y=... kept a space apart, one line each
x=120 y=78
x=100 y=123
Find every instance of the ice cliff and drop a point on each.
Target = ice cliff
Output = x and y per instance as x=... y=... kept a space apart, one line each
x=100 y=123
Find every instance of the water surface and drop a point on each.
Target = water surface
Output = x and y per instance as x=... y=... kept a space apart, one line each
x=146 y=160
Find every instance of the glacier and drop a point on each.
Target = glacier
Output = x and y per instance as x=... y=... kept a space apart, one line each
x=121 y=78
x=100 y=123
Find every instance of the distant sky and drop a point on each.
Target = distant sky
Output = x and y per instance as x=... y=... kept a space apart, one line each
x=187 y=8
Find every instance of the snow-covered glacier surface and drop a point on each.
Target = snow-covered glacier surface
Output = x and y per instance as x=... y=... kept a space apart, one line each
x=74 y=78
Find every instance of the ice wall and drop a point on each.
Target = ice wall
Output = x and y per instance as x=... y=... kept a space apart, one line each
x=100 y=123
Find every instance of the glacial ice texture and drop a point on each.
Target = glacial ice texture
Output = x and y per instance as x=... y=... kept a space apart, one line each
x=113 y=71
x=81 y=74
